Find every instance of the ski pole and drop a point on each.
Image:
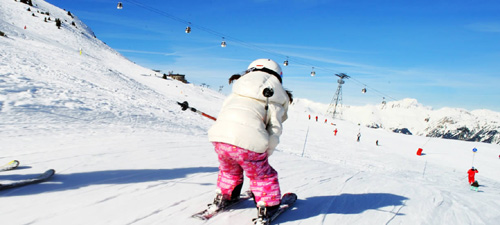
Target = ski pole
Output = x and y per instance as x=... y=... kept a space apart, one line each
x=185 y=106
x=474 y=150
x=305 y=141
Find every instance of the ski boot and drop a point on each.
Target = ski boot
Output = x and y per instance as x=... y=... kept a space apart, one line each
x=264 y=213
x=222 y=201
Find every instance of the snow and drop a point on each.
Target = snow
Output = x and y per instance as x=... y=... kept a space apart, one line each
x=125 y=153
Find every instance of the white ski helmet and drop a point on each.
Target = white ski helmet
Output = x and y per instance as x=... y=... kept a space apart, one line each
x=266 y=63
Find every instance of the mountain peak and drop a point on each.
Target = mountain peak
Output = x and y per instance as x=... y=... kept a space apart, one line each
x=407 y=103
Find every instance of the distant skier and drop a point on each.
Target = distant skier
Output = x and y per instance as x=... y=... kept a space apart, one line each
x=335 y=132
x=246 y=133
x=309 y=116
x=376 y=143
x=316 y=118
x=326 y=120
x=472 y=173
x=359 y=137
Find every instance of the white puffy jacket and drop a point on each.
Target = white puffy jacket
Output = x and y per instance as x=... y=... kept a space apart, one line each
x=241 y=119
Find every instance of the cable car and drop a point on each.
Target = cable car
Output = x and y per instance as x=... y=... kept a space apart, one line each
x=223 y=43
x=313 y=73
x=285 y=63
x=119 y=6
x=188 y=30
x=363 y=90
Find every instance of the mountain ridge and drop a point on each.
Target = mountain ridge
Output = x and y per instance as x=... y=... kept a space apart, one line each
x=480 y=125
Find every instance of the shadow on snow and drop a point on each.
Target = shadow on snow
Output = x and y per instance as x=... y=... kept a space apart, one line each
x=342 y=204
x=63 y=182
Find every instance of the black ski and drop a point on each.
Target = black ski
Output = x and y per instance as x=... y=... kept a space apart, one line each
x=10 y=166
x=212 y=211
x=40 y=178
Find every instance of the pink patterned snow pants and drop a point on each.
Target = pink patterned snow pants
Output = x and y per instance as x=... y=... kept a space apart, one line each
x=263 y=178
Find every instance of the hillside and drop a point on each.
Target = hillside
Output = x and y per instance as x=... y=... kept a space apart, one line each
x=43 y=71
x=125 y=153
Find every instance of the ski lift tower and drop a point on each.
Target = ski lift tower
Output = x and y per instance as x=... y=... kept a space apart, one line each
x=337 y=98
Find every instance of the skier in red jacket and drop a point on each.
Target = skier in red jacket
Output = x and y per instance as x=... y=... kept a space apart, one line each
x=472 y=172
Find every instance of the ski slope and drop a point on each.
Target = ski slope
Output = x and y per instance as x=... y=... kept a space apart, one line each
x=125 y=153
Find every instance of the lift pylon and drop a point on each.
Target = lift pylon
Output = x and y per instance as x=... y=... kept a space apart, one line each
x=335 y=105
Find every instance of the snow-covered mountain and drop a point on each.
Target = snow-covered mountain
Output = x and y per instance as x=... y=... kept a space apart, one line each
x=69 y=73
x=125 y=153
x=410 y=117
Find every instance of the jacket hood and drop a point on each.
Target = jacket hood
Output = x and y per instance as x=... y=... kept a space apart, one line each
x=253 y=84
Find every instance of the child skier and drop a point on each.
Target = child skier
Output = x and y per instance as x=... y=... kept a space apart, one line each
x=472 y=173
x=246 y=133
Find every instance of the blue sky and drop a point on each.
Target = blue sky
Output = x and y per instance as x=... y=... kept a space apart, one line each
x=442 y=53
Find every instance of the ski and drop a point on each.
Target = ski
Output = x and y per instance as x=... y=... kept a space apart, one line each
x=212 y=211
x=10 y=165
x=287 y=202
x=40 y=178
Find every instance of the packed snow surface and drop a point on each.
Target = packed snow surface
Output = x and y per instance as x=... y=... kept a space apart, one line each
x=125 y=153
